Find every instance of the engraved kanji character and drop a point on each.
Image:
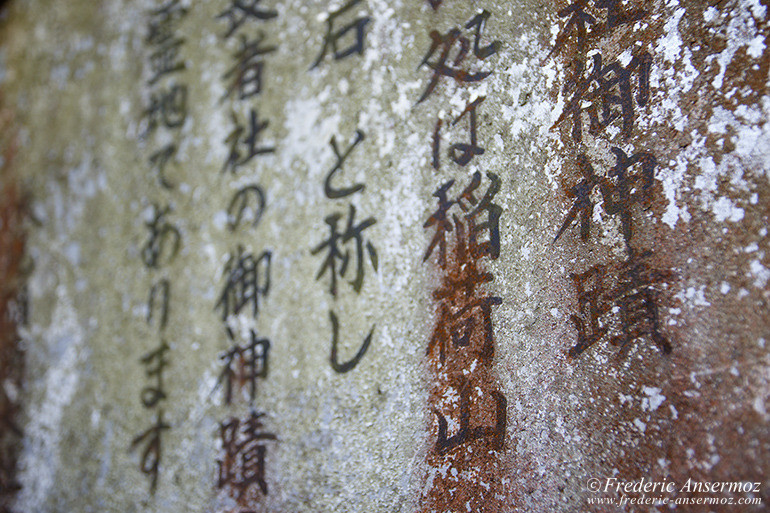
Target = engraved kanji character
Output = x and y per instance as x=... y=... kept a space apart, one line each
x=465 y=434
x=459 y=328
x=442 y=222
x=332 y=37
x=167 y=107
x=464 y=274
x=352 y=232
x=583 y=206
x=247 y=278
x=591 y=307
x=243 y=465
x=250 y=361
x=165 y=59
x=250 y=141
x=628 y=188
x=246 y=75
x=604 y=88
x=578 y=19
x=481 y=216
x=478 y=208
x=240 y=11
x=617 y=15
x=163 y=21
x=445 y=44
x=636 y=298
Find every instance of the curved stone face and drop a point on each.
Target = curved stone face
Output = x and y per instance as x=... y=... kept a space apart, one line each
x=384 y=256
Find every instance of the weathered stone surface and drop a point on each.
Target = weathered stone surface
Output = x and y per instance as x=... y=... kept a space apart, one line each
x=627 y=293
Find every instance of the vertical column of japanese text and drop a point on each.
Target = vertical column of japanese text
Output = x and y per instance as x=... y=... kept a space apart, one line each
x=162 y=120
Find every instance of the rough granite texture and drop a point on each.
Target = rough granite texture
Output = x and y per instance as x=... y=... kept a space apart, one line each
x=76 y=76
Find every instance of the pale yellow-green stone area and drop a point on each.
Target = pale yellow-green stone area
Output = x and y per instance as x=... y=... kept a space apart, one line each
x=78 y=76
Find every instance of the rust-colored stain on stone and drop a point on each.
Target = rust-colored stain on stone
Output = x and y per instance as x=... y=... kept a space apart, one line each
x=469 y=412
x=708 y=374
x=12 y=313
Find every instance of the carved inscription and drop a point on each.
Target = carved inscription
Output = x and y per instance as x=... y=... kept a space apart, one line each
x=347 y=251
x=469 y=411
x=242 y=466
x=164 y=116
x=619 y=302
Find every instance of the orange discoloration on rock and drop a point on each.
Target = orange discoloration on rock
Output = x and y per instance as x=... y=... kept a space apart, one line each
x=12 y=313
x=469 y=412
x=710 y=422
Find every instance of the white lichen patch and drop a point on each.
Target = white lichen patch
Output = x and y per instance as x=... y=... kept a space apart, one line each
x=746 y=128
x=60 y=349
x=741 y=31
x=653 y=400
